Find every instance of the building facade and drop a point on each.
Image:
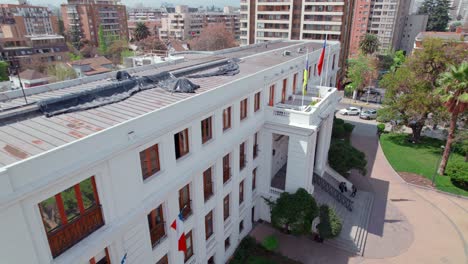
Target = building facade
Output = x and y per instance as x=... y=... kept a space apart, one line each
x=414 y=24
x=383 y=18
x=83 y=18
x=263 y=20
x=109 y=186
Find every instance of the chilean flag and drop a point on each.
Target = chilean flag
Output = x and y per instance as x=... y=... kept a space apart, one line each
x=178 y=226
x=322 y=57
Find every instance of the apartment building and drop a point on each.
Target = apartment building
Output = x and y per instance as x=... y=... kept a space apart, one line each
x=264 y=20
x=102 y=184
x=414 y=25
x=186 y=23
x=383 y=18
x=86 y=16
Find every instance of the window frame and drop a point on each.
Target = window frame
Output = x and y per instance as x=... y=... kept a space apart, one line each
x=226 y=168
x=209 y=223
x=183 y=140
x=149 y=162
x=185 y=202
x=254 y=179
x=271 y=98
x=227 y=122
x=189 y=252
x=208 y=184
x=206 y=129
x=255 y=146
x=294 y=83
x=257 y=101
x=243 y=109
x=152 y=216
x=241 y=192
x=242 y=156
x=283 y=90
x=226 y=207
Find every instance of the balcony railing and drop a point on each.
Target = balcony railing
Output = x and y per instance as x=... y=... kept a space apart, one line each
x=65 y=236
x=157 y=234
x=333 y=192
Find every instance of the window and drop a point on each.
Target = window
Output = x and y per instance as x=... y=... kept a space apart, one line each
x=71 y=215
x=206 y=130
x=184 y=201
x=294 y=83
x=242 y=156
x=271 y=100
x=254 y=179
x=211 y=260
x=333 y=62
x=241 y=226
x=227 y=243
x=102 y=258
x=226 y=118
x=163 y=260
x=241 y=192
x=156 y=225
x=255 y=146
x=209 y=225
x=283 y=91
x=189 y=243
x=226 y=168
x=207 y=184
x=226 y=207
x=149 y=161
x=243 y=109
x=181 y=143
x=257 y=102
x=315 y=69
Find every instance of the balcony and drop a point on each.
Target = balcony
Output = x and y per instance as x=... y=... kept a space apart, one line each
x=316 y=105
x=66 y=236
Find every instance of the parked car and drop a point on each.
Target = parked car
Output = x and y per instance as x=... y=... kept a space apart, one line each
x=368 y=114
x=350 y=111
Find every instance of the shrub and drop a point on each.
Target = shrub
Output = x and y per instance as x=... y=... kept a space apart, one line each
x=343 y=157
x=270 y=243
x=330 y=223
x=338 y=121
x=293 y=212
x=380 y=128
x=348 y=129
x=458 y=173
x=244 y=250
x=338 y=132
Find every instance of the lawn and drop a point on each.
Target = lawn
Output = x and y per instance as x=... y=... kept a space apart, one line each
x=419 y=158
x=250 y=252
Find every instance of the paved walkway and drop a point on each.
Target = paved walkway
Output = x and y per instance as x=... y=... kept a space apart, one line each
x=407 y=225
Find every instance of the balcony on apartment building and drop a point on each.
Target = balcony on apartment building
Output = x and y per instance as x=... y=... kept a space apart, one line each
x=297 y=111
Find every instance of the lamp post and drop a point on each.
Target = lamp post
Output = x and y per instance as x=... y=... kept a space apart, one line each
x=15 y=69
x=437 y=166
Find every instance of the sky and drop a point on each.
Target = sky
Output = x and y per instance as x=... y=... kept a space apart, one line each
x=152 y=3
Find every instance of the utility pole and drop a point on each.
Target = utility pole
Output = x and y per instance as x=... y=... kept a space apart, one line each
x=15 y=68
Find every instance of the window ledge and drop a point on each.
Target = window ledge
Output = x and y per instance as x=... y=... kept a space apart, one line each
x=186 y=156
x=152 y=177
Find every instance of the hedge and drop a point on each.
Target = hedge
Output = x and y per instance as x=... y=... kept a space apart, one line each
x=458 y=173
x=330 y=224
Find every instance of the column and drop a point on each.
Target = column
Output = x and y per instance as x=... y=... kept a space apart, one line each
x=300 y=167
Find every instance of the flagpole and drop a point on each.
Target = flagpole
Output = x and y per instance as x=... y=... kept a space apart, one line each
x=321 y=75
x=326 y=69
x=306 y=59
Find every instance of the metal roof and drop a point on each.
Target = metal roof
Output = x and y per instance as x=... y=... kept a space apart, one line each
x=31 y=136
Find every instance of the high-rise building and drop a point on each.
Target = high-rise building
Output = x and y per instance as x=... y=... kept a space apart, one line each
x=151 y=17
x=29 y=35
x=264 y=20
x=86 y=177
x=83 y=18
x=187 y=22
x=414 y=25
x=383 y=18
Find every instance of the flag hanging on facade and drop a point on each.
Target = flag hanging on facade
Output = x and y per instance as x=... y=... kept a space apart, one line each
x=178 y=226
x=322 y=57
x=306 y=74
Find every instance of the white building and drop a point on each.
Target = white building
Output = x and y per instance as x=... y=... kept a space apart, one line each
x=108 y=181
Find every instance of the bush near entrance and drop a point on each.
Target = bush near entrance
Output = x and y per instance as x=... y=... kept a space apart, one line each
x=270 y=243
x=293 y=212
x=249 y=252
x=330 y=224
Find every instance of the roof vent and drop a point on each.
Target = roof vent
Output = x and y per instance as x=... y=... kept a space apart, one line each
x=286 y=53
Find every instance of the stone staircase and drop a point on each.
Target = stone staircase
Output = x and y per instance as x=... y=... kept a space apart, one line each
x=353 y=234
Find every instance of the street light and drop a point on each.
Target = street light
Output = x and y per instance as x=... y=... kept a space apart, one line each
x=15 y=68
x=437 y=165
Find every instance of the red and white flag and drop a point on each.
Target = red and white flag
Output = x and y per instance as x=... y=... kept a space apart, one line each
x=322 y=57
x=178 y=226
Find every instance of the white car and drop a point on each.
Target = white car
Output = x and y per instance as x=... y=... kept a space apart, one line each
x=350 y=111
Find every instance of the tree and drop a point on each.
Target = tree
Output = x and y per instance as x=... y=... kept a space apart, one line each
x=453 y=92
x=213 y=37
x=369 y=44
x=409 y=95
x=438 y=12
x=141 y=31
x=61 y=72
x=398 y=59
x=151 y=43
x=293 y=212
x=116 y=49
x=362 y=71
x=343 y=157
x=3 y=71
x=102 y=45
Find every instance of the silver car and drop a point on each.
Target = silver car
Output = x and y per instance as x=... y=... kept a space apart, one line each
x=368 y=114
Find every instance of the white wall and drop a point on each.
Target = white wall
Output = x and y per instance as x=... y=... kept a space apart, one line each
x=280 y=158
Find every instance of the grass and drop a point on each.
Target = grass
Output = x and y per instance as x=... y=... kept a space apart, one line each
x=422 y=158
x=251 y=252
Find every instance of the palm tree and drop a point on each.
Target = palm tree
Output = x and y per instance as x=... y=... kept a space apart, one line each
x=369 y=44
x=453 y=92
x=141 y=31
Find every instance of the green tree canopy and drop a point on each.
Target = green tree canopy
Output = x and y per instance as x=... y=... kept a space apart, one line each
x=3 y=71
x=362 y=71
x=102 y=45
x=61 y=72
x=438 y=12
x=369 y=44
x=141 y=31
x=294 y=212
